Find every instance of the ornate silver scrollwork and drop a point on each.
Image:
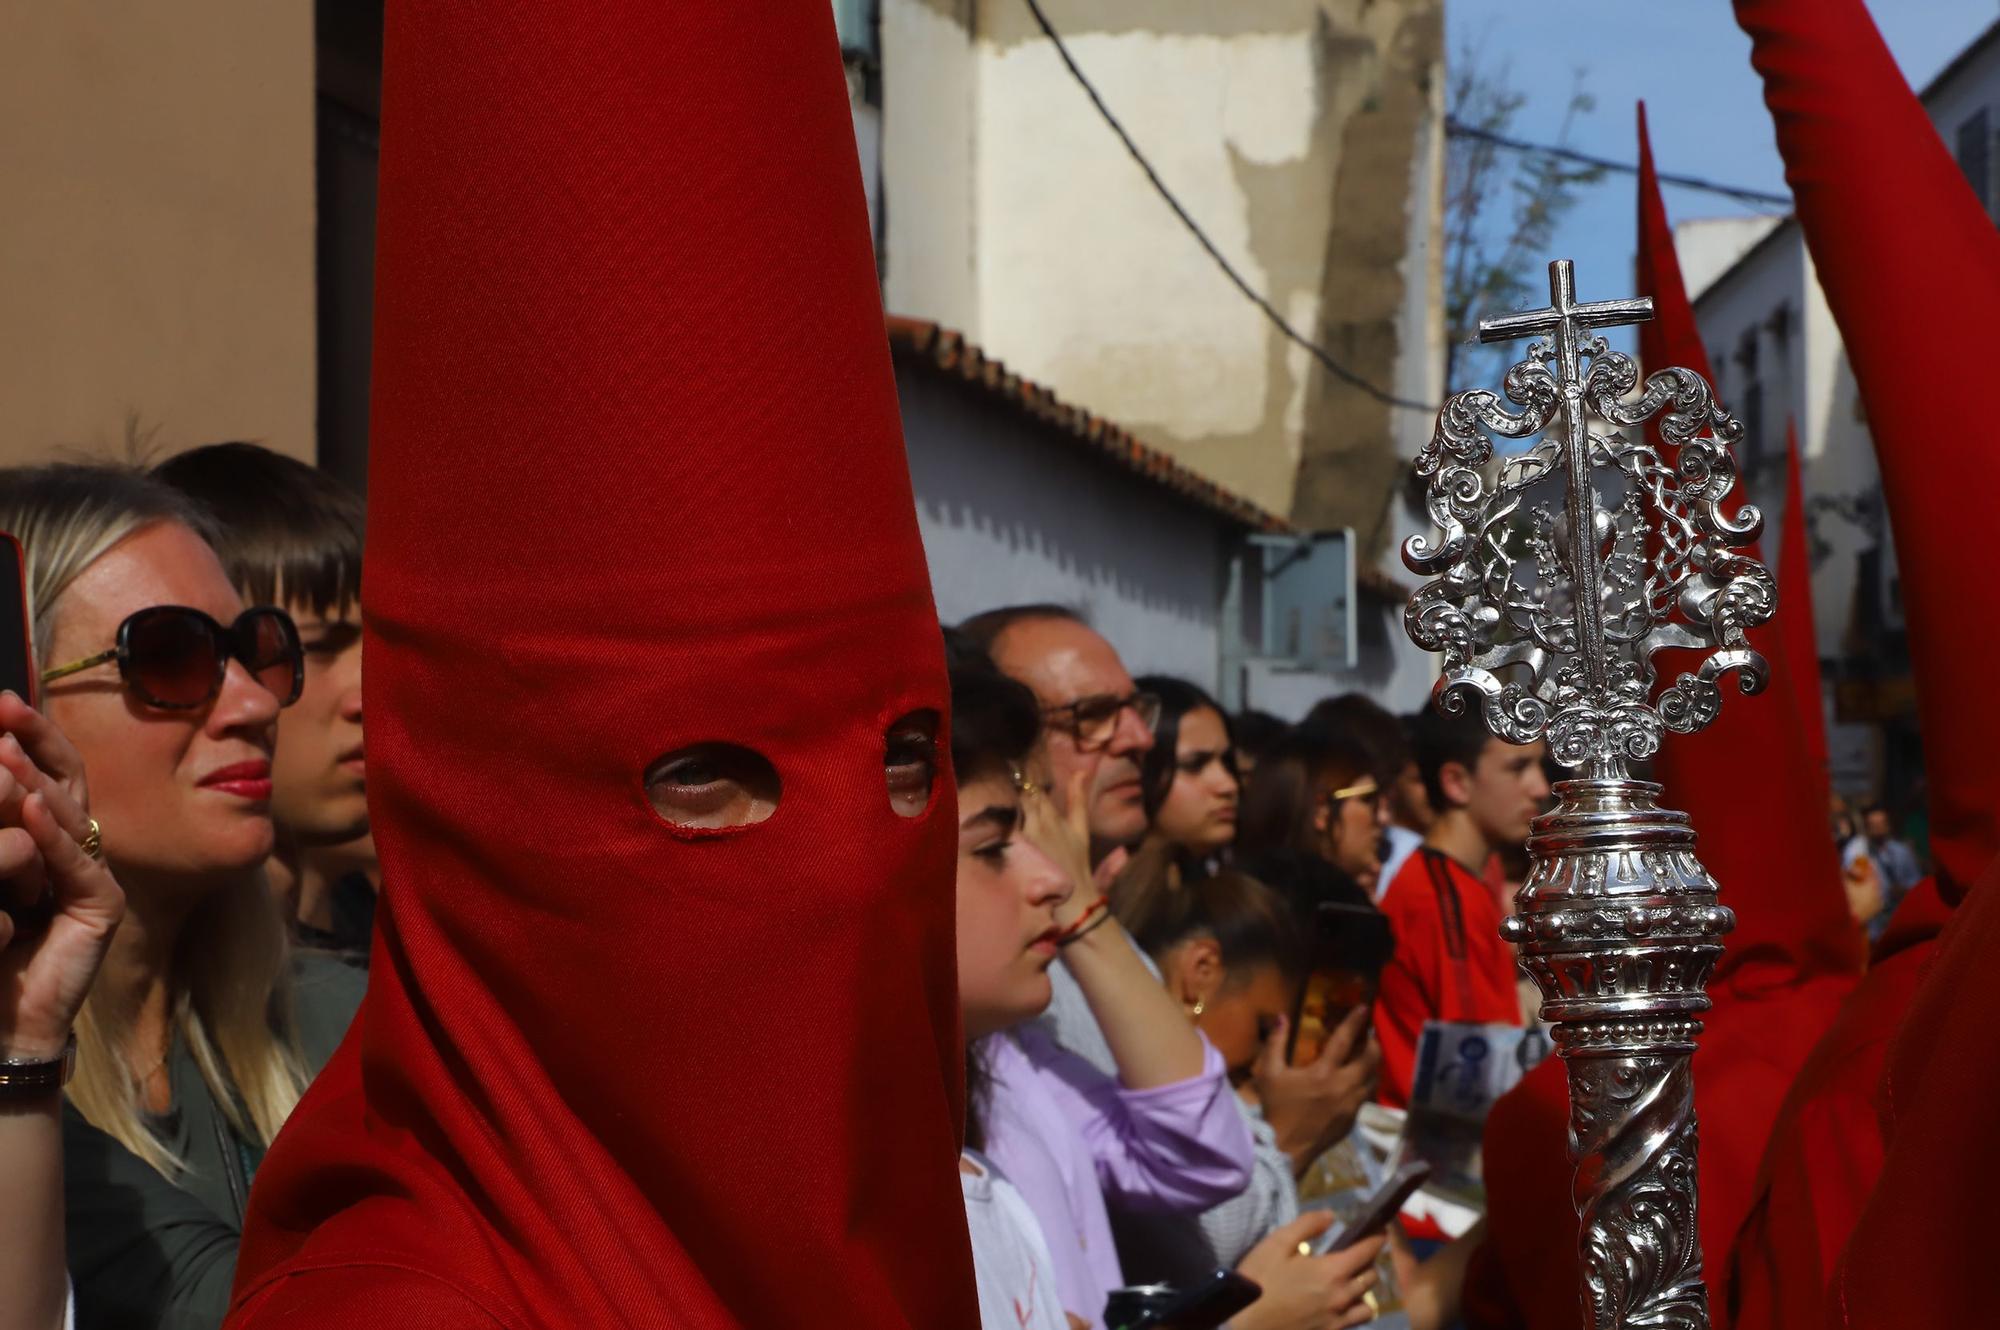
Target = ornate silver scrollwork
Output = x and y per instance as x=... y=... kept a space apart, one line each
x=1564 y=564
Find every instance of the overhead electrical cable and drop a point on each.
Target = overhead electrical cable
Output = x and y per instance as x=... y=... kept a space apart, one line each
x=1459 y=130
x=1452 y=128
x=1236 y=278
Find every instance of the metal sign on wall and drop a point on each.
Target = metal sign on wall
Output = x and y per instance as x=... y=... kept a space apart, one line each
x=1308 y=600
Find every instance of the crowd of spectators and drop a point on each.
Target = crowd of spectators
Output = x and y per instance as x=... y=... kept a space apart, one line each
x=1145 y=886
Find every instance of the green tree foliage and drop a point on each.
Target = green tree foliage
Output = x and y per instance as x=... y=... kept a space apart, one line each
x=1502 y=208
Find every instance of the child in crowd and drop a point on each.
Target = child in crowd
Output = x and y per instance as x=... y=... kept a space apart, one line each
x=290 y=534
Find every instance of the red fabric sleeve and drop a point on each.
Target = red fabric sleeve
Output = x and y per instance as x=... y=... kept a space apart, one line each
x=1920 y=1253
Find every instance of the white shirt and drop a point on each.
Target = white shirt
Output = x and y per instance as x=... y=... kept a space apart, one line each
x=1017 y=1277
x=1402 y=844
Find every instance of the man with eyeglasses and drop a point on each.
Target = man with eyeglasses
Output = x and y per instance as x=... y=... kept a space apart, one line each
x=1095 y=723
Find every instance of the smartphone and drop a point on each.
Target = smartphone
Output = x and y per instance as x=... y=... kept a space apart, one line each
x=17 y=655
x=1204 y=1305
x=1382 y=1205
x=1350 y=944
x=17 y=671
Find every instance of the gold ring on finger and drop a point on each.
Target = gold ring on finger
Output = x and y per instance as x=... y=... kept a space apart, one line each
x=1374 y=1307
x=93 y=841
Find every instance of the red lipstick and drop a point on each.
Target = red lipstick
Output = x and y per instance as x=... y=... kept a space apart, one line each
x=245 y=780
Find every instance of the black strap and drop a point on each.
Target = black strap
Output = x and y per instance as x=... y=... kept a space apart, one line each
x=1450 y=908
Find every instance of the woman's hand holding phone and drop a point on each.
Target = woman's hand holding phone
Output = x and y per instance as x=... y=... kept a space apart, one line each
x=1312 y=1108
x=74 y=903
x=1308 y=1292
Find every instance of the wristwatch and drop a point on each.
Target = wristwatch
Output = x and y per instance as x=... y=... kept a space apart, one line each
x=22 y=1078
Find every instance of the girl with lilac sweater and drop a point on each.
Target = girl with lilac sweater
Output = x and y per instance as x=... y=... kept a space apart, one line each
x=1163 y=1135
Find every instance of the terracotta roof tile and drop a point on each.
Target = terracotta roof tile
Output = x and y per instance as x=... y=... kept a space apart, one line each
x=945 y=352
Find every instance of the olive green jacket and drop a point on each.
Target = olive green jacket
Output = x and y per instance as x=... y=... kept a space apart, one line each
x=146 y=1251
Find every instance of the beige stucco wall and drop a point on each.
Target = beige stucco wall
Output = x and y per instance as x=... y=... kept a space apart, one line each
x=1293 y=130
x=156 y=241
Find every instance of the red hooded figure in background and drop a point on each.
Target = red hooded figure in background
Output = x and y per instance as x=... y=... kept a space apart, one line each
x=662 y=1027
x=1910 y=265
x=1752 y=786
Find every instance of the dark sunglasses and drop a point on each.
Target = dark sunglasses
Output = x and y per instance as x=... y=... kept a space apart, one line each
x=1093 y=720
x=175 y=658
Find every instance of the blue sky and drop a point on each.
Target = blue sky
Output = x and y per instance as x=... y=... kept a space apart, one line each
x=1691 y=64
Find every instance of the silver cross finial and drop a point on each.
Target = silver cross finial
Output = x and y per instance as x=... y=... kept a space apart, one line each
x=1569 y=321
x=1584 y=599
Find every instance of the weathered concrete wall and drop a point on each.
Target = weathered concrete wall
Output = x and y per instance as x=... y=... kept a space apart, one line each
x=156 y=248
x=1294 y=131
x=930 y=162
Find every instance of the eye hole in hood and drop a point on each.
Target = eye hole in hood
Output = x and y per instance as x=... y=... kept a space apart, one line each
x=713 y=786
x=910 y=762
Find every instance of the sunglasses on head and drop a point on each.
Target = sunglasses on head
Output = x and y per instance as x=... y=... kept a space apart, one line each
x=175 y=658
x=1361 y=789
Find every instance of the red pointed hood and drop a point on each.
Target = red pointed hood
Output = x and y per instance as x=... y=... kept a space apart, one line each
x=637 y=483
x=1746 y=781
x=1795 y=612
x=1910 y=265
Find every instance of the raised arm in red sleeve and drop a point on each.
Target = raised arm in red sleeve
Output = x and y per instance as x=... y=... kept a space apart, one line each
x=637 y=484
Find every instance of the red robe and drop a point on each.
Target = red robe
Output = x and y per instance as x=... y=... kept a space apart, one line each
x=637 y=484
x=1449 y=963
x=1749 y=783
x=1826 y=1152
x=1920 y=1253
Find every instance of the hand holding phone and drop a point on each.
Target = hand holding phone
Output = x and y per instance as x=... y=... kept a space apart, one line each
x=1301 y=1289
x=1382 y=1205
x=1312 y=1108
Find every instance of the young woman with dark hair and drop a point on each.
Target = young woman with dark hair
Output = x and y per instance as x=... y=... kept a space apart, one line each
x=1188 y=778
x=1165 y=1130
x=1232 y=952
x=1316 y=791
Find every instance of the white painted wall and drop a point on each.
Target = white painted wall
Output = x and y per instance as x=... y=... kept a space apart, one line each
x=930 y=154
x=1014 y=512
x=1099 y=290
x=1709 y=246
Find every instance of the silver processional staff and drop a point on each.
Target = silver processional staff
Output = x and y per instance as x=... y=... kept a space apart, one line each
x=1563 y=566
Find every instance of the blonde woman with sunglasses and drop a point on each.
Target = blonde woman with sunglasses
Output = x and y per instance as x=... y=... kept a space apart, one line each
x=202 y=1030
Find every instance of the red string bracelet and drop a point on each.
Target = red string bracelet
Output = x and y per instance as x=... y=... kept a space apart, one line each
x=1093 y=915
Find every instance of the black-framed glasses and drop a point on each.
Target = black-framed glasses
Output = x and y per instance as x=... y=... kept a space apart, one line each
x=175 y=657
x=1091 y=721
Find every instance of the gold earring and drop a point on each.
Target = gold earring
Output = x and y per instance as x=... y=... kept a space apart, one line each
x=1194 y=1012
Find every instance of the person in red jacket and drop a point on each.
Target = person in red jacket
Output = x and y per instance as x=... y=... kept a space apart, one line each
x=1450 y=963
x=662 y=1026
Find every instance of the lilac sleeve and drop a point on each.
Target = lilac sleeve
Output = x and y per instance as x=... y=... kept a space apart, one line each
x=1172 y=1149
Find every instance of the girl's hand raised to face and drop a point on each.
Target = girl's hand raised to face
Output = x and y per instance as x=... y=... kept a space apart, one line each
x=1065 y=838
